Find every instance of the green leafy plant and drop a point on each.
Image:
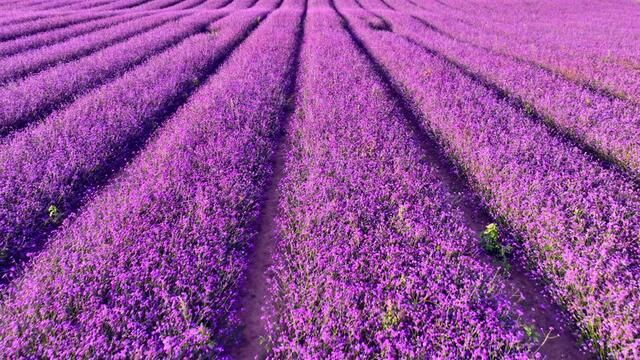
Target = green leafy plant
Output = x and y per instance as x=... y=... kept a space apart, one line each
x=531 y=332
x=529 y=109
x=491 y=242
x=391 y=317
x=55 y=215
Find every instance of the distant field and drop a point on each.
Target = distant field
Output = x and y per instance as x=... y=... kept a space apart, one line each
x=319 y=179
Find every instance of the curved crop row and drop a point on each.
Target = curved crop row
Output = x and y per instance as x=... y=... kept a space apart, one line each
x=160 y=253
x=222 y=4
x=371 y=260
x=33 y=98
x=234 y=5
x=19 y=65
x=10 y=32
x=50 y=5
x=374 y=4
x=156 y=4
x=86 y=5
x=22 y=5
x=615 y=76
x=187 y=4
x=120 y=5
x=607 y=124
x=18 y=18
x=405 y=6
x=51 y=37
x=47 y=166
x=579 y=222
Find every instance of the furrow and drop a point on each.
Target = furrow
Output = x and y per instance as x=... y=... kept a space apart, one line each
x=52 y=166
x=371 y=260
x=176 y=224
x=20 y=65
x=578 y=221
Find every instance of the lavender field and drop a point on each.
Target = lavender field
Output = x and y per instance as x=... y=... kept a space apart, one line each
x=319 y=179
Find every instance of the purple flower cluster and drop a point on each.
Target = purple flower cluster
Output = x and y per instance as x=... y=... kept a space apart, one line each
x=51 y=37
x=160 y=252
x=19 y=65
x=372 y=260
x=11 y=19
x=185 y=5
x=54 y=5
x=601 y=52
x=310 y=179
x=119 y=5
x=34 y=97
x=82 y=5
x=157 y=5
x=12 y=31
x=609 y=125
x=579 y=222
x=233 y=5
x=50 y=164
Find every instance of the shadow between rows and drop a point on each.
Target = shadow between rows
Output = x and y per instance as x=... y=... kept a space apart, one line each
x=529 y=295
x=254 y=289
x=90 y=185
x=34 y=118
x=591 y=86
x=82 y=53
x=531 y=112
x=37 y=30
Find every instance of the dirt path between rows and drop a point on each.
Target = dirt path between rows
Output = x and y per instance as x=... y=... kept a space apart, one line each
x=255 y=290
x=538 y=309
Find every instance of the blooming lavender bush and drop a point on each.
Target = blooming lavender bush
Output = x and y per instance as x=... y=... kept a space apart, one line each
x=36 y=96
x=305 y=179
x=51 y=37
x=160 y=252
x=372 y=261
x=579 y=221
x=36 y=60
x=98 y=131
